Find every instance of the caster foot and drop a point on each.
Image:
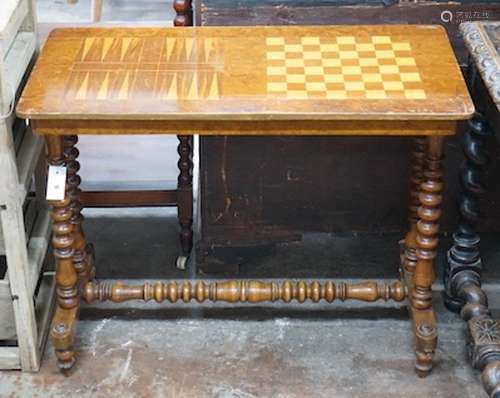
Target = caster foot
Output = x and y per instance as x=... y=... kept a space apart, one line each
x=67 y=369
x=181 y=262
x=423 y=365
x=66 y=362
x=422 y=373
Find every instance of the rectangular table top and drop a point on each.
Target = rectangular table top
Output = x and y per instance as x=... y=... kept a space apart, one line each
x=385 y=72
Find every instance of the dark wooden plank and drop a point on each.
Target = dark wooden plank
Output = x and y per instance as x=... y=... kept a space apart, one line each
x=262 y=12
x=129 y=198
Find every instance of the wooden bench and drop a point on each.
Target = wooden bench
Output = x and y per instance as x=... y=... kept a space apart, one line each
x=327 y=80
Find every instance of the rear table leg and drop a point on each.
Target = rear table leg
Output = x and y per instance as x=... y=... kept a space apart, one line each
x=409 y=243
x=185 y=198
x=83 y=256
x=184 y=17
x=183 y=13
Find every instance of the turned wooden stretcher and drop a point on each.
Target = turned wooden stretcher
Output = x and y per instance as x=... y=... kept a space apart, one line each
x=328 y=80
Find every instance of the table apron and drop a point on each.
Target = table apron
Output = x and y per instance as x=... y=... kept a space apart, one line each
x=246 y=127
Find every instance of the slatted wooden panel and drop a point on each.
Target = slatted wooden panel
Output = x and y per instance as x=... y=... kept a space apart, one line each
x=25 y=310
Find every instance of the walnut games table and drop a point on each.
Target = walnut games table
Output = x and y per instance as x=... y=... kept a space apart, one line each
x=325 y=80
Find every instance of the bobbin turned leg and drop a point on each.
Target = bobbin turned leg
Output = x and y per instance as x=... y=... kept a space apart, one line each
x=409 y=243
x=83 y=253
x=184 y=17
x=68 y=300
x=184 y=13
x=427 y=240
x=185 y=197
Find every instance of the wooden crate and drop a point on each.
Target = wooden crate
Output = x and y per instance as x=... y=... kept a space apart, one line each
x=26 y=291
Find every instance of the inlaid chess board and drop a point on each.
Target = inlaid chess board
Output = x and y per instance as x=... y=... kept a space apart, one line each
x=380 y=72
x=342 y=68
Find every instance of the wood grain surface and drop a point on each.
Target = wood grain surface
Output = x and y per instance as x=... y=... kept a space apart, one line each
x=247 y=73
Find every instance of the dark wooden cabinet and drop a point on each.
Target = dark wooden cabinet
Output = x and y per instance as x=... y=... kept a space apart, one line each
x=256 y=191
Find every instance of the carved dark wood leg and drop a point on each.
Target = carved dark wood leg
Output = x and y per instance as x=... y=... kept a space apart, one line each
x=409 y=244
x=68 y=300
x=185 y=197
x=462 y=279
x=491 y=376
x=464 y=254
x=83 y=255
x=427 y=239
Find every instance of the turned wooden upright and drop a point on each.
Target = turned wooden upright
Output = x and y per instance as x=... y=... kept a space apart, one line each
x=328 y=80
x=184 y=17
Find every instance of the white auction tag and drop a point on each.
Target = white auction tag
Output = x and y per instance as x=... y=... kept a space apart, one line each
x=56 y=183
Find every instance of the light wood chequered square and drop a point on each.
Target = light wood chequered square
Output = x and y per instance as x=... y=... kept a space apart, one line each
x=345 y=67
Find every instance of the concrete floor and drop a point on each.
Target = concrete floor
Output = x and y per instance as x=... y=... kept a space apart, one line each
x=217 y=350
x=229 y=358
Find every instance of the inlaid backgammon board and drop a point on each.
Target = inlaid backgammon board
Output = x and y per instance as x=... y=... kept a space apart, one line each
x=328 y=80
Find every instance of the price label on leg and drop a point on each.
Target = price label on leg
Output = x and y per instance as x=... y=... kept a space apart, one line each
x=56 y=182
